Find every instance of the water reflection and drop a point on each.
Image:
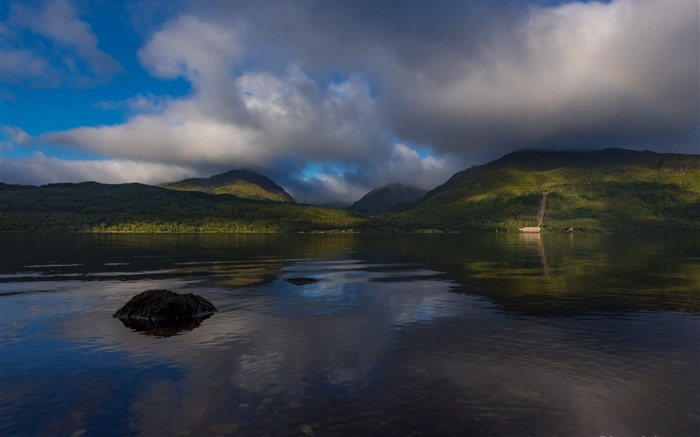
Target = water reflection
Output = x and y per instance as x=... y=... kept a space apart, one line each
x=482 y=335
x=162 y=328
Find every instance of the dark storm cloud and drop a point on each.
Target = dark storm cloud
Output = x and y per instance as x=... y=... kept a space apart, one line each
x=469 y=76
x=331 y=98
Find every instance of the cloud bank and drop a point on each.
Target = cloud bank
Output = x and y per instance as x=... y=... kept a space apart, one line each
x=332 y=99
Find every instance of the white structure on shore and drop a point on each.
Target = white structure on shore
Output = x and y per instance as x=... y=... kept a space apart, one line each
x=540 y=216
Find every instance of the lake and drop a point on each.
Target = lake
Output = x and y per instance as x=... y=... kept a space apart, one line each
x=498 y=334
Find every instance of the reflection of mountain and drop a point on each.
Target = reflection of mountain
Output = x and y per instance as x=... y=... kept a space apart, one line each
x=378 y=346
x=569 y=274
x=552 y=274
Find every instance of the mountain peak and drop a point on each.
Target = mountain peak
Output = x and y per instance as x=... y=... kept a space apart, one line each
x=244 y=183
x=387 y=198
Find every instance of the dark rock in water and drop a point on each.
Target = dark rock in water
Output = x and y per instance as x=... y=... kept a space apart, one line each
x=163 y=313
x=159 y=305
x=301 y=280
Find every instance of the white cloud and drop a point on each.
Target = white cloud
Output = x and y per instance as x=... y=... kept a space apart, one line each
x=200 y=51
x=477 y=81
x=15 y=135
x=408 y=167
x=72 y=58
x=252 y=119
x=40 y=169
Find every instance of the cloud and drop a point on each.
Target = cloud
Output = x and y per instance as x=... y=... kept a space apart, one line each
x=186 y=46
x=23 y=65
x=42 y=169
x=71 y=58
x=347 y=87
x=15 y=135
x=579 y=75
x=479 y=79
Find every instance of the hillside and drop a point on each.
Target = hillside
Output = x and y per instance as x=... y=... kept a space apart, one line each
x=611 y=190
x=387 y=198
x=94 y=207
x=246 y=184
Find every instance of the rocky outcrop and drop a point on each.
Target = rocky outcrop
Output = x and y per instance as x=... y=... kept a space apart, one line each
x=158 y=305
x=164 y=313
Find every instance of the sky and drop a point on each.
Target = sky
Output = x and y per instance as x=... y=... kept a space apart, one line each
x=331 y=99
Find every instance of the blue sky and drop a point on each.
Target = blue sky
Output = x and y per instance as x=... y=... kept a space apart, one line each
x=332 y=99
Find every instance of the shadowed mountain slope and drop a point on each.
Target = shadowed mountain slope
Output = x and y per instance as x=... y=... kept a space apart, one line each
x=387 y=198
x=94 y=207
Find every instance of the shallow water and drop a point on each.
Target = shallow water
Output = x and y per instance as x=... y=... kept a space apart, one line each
x=402 y=334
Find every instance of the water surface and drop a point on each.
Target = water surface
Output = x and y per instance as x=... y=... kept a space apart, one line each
x=402 y=334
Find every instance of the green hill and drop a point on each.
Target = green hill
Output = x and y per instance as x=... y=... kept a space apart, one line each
x=246 y=184
x=611 y=190
x=387 y=198
x=94 y=207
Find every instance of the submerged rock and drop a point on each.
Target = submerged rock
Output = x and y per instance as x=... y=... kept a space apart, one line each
x=303 y=280
x=165 y=305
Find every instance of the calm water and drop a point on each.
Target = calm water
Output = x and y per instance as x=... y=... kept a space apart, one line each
x=422 y=335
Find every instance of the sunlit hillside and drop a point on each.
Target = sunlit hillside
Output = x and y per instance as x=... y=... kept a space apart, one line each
x=611 y=190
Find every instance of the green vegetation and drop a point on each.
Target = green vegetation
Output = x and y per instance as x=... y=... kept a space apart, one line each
x=611 y=190
x=93 y=207
x=605 y=191
x=246 y=184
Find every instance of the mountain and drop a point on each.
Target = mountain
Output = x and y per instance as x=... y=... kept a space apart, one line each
x=246 y=184
x=94 y=207
x=386 y=199
x=611 y=190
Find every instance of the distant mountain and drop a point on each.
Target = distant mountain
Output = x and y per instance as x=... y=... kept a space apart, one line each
x=338 y=204
x=246 y=184
x=387 y=198
x=611 y=190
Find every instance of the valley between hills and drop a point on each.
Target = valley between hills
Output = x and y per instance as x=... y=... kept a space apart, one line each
x=610 y=190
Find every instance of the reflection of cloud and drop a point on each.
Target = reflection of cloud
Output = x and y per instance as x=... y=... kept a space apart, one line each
x=364 y=337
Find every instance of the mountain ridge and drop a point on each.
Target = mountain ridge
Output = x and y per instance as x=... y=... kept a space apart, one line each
x=243 y=183
x=387 y=198
x=135 y=207
x=608 y=190
x=611 y=190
